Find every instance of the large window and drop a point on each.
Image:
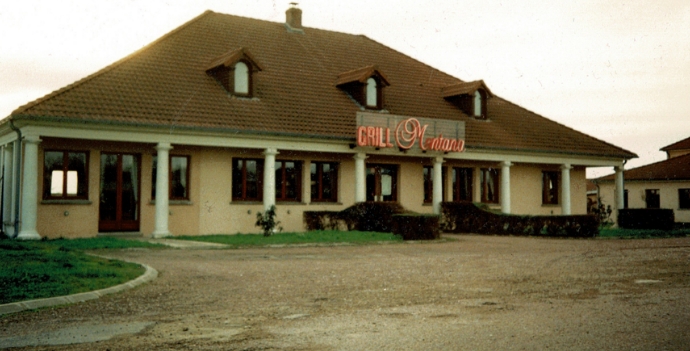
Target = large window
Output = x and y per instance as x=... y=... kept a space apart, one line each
x=65 y=175
x=429 y=184
x=324 y=182
x=462 y=184
x=549 y=192
x=178 y=179
x=247 y=181
x=684 y=199
x=652 y=198
x=288 y=180
x=489 y=184
x=382 y=182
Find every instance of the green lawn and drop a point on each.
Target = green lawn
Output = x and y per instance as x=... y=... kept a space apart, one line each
x=326 y=236
x=641 y=233
x=39 y=269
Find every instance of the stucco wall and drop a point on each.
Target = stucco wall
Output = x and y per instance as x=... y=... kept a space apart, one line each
x=668 y=196
x=211 y=210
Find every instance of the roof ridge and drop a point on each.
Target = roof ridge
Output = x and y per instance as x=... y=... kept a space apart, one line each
x=670 y=146
x=106 y=69
x=570 y=128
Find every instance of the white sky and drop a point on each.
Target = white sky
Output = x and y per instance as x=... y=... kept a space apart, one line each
x=617 y=70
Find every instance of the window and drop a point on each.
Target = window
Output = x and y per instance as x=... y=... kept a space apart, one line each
x=372 y=93
x=652 y=198
x=288 y=180
x=324 y=182
x=429 y=184
x=65 y=175
x=477 y=104
x=489 y=184
x=241 y=79
x=462 y=184
x=382 y=182
x=247 y=179
x=684 y=199
x=549 y=186
x=178 y=179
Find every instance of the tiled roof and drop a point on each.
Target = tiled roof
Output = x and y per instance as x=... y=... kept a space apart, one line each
x=680 y=145
x=165 y=85
x=677 y=168
x=464 y=88
x=360 y=75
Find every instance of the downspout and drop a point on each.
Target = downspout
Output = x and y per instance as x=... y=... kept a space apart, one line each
x=17 y=174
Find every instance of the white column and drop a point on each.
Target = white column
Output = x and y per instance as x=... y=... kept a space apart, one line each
x=477 y=185
x=360 y=177
x=162 y=191
x=29 y=190
x=306 y=182
x=8 y=190
x=620 y=189
x=269 y=178
x=565 y=189
x=437 y=195
x=505 y=186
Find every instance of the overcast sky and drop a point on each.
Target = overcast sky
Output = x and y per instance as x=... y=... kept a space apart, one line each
x=616 y=70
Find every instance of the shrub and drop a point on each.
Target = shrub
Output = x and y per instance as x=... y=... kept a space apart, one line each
x=321 y=220
x=466 y=217
x=646 y=218
x=416 y=226
x=371 y=216
x=267 y=221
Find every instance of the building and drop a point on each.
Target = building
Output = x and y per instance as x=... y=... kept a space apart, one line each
x=226 y=116
x=664 y=184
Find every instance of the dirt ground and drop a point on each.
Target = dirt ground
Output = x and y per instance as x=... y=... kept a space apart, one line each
x=474 y=293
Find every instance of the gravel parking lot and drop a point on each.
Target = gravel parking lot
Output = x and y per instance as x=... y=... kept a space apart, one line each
x=473 y=293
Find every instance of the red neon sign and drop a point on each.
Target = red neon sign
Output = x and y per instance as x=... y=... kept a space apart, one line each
x=407 y=133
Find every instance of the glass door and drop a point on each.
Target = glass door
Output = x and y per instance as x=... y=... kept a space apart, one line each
x=119 y=201
x=382 y=183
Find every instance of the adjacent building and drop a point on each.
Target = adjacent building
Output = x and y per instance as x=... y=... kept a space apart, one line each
x=664 y=184
x=226 y=116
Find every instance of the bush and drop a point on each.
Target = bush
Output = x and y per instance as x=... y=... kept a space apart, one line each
x=417 y=226
x=321 y=220
x=371 y=216
x=466 y=217
x=267 y=221
x=646 y=218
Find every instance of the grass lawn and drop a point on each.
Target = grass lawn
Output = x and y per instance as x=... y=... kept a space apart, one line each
x=39 y=269
x=325 y=236
x=641 y=233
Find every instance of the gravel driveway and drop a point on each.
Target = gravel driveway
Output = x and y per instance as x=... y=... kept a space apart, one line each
x=475 y=293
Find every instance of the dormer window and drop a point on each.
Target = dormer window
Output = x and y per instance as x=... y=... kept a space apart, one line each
x=242 y=79
x=477 y=104
x=470 y=97
x=364 y=85
x=235 y=72
x=372 y=93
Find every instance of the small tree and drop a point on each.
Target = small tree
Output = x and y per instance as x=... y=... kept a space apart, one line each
x=267 y=221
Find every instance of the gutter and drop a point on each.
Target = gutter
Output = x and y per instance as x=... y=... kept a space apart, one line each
x=17 y=174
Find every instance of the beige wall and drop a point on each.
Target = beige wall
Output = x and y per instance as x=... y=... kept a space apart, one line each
x=668 y=195
x=676 y=153
x=210 y=209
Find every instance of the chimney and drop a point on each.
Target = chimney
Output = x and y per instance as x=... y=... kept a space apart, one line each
x=293 y=18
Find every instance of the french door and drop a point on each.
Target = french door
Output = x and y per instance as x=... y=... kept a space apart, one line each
x=119 y=200
x=382 y=182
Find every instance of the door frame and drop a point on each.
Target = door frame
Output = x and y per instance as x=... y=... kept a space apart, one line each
x=120 y=225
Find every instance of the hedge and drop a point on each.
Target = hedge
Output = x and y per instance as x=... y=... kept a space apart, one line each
x=363 y=216
x=646 y=218
x=417 y=226
x=466 y=217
